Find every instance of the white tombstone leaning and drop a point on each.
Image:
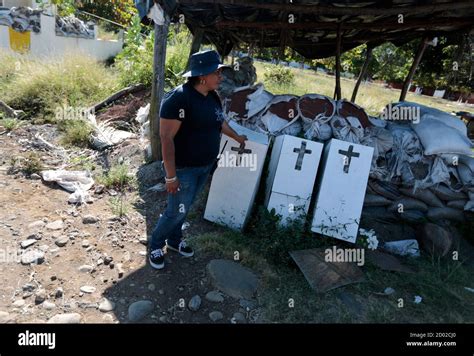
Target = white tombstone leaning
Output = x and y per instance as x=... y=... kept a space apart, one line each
x=291 y=176
x=341 y=189
x=236 y=180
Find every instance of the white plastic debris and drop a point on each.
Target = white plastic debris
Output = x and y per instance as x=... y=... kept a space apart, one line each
x=142 y=114
x=403 y=247
x=469 y=289
x=105 y=135
x=77 y=182
x=389 y=291
x=418 y=299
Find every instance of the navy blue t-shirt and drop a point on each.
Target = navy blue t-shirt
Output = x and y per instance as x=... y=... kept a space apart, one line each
x=198 y=138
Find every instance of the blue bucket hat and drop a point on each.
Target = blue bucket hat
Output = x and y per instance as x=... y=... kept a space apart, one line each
x=203 y=63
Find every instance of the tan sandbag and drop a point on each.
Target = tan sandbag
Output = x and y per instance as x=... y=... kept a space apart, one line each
x=425 y=195
x=436 y=214
x=444 y=193
x=434 y=239
x=412 y=216
x=457 y=204
x=388 y=190
x=376 y=200
x=407 y=203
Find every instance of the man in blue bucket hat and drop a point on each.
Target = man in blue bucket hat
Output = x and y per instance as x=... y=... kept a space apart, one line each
x=191 y=123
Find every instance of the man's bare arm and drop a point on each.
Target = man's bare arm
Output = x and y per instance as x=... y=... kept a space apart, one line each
x=168 y=130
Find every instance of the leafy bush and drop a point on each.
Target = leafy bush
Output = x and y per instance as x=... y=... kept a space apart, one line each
x=135 y=63
x=279 y=75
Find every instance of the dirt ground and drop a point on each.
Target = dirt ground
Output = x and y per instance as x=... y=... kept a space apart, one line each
x=35 y=293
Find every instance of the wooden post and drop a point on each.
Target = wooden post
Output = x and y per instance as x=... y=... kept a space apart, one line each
x=368 y=56
x=337 y=91
x=416 y=62
x=159 y=61
x=196 y=44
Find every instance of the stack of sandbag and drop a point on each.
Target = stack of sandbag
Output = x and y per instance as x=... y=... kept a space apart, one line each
x=280 y=116
x=349 y=122
x=21 y=19
x=430 y=171
x=243 y=73
x=316 y=111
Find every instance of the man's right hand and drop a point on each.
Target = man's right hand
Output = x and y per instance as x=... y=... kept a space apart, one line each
x=172 y=188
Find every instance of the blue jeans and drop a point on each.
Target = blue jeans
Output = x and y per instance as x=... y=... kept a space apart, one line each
x=192 y=181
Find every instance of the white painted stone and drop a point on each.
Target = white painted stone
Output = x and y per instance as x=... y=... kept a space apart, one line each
x=235 y=182
x=291 y=176
x=341 y=190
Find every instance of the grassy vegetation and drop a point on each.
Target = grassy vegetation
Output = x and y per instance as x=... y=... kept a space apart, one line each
x=266 y=250
x=40 y=87
x=75 y=132
x=118 y=178
x=27 y=165
x=372 y=97
x=10 y=124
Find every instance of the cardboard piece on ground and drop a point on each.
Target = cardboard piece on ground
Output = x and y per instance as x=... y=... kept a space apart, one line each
x=324 y=276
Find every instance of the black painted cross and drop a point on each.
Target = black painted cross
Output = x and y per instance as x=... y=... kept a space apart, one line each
x=349 y=154
x=301 y=152
x=240 y=151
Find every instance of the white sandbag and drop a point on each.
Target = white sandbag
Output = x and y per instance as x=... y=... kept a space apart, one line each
x=377 y=122
x=378 y=138
x=246 y=102
x=376 y=200
x=436 y=214
x=406 y=203
x=280 y=116
x=450 y=159
x=435 y=114
x=424 y=195
x=406 y=149
x=315 y=111
x=438 y=173
x=349 y=129
x=437 y=137
x=457 y=204
x=346 y=109
x=257 y=101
